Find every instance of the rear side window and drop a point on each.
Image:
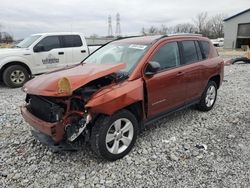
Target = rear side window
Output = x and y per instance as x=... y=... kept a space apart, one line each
x=205 y=49
x=189 y=52
x=49 y=43
x=168 y=55
x=198 y=49
x=71 y=41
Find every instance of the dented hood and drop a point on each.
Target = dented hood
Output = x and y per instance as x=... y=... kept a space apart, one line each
x=48 y=84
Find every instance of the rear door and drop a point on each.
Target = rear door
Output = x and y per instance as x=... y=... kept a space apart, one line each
x=193 y=62
x=51 y=56
x=166 y=89
x=75 y=49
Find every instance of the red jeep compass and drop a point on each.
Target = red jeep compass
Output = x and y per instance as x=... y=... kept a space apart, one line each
x=109 y=97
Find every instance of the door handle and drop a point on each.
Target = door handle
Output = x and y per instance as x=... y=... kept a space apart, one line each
x=60 y=53
x=180 y=73
x=83 y=51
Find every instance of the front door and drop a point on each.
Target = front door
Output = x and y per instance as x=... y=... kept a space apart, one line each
x=166 y=89
x=51 y=55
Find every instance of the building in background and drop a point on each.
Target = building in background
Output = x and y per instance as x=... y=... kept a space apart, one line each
x=237 y=30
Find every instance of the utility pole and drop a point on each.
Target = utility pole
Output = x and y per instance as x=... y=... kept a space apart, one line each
x=110 y=31
x=118 y=25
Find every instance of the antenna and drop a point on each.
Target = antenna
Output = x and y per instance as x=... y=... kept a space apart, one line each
x=118 y=26
x=110 y=32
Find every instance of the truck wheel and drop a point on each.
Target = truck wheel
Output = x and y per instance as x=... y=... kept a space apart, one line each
x=113 y=137
x=15 y=76
x=208 y=97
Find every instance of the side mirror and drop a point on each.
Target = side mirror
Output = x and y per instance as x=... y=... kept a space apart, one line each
x=38 y=48
x=152 y=68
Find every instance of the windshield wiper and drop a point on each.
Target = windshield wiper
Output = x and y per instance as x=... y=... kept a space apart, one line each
x=121 y=76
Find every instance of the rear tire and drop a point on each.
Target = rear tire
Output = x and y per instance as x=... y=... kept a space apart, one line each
x=113 y=137
x=208 y=97
x=15 y=76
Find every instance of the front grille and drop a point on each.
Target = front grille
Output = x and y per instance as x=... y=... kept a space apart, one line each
x=45 y=109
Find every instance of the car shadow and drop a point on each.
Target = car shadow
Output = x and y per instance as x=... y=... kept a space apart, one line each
x=2 y=85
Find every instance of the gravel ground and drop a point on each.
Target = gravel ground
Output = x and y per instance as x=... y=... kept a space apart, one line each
x=186 y=149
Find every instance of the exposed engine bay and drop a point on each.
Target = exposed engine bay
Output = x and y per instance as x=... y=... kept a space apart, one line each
x=70 y=111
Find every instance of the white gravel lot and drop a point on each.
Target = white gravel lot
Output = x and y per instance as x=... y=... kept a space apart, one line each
x=187 y=149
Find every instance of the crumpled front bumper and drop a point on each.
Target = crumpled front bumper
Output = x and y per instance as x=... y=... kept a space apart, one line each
x=54 y=130
x=55 y=147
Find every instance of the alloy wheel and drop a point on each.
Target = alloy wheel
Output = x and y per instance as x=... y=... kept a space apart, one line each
x=17 y=77
x=119 y=136
x=210 y=96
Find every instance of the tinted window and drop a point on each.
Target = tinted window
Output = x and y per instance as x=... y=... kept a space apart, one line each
x=50 y=43
x=205 y=49
x=189 y=52
x=167 y=56
x=198 y=49
x=72 y=41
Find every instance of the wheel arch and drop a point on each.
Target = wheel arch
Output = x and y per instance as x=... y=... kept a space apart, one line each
x=216 y=79
x=14 y=63
x=135 y=108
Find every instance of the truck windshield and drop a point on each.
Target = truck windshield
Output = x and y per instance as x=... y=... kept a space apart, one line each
x=28 y=41
x=115 y=53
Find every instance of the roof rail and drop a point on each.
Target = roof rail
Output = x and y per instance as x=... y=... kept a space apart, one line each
x=127 y=37
x=184 y=34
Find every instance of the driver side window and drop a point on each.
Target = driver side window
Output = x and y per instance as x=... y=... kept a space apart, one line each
x=49 y=43
x=168 y=56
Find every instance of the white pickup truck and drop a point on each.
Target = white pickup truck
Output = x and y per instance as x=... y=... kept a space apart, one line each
x=41 y=53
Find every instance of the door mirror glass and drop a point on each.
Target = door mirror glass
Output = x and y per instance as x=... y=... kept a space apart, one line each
x=152 y=68
x=39 y=48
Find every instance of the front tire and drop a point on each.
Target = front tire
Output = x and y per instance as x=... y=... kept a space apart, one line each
x=208 y=97
x=15 y=76
x=113 y=137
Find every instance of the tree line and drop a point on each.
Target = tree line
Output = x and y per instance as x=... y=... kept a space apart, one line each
x=211 y=27
x=5 y=37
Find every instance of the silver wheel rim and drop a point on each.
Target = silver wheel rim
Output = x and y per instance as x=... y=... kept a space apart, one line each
x=119 y=136
x=17 y=76
x=210 y=96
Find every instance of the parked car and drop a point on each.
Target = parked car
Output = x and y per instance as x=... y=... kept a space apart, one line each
x=119 y=89
x=40 y=53
x=219 y=42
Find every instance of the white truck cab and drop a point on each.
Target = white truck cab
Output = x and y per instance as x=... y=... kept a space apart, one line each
x=40 y=53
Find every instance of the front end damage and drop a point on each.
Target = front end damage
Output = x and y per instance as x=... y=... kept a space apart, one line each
x=63 y=118
x=58 y=121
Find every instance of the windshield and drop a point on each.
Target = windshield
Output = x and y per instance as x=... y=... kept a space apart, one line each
x=28 y=41
x=115 y=53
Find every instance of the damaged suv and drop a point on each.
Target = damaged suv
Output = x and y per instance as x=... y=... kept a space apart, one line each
x=109 y=98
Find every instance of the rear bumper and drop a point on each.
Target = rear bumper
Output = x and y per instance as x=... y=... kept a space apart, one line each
x=54 y=130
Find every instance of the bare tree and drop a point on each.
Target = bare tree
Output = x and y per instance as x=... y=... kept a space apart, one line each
x=6 y=37
x=0 y=33
x=94 y=36
x=211 y=27
x=185 y=28
x=152 y=30
x=200 y=21
x=143 y=31
x=216 y=23
x=202 y=24
x=163 y=30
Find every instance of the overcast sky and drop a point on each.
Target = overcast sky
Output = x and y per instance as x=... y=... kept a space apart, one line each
x=24 y=17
